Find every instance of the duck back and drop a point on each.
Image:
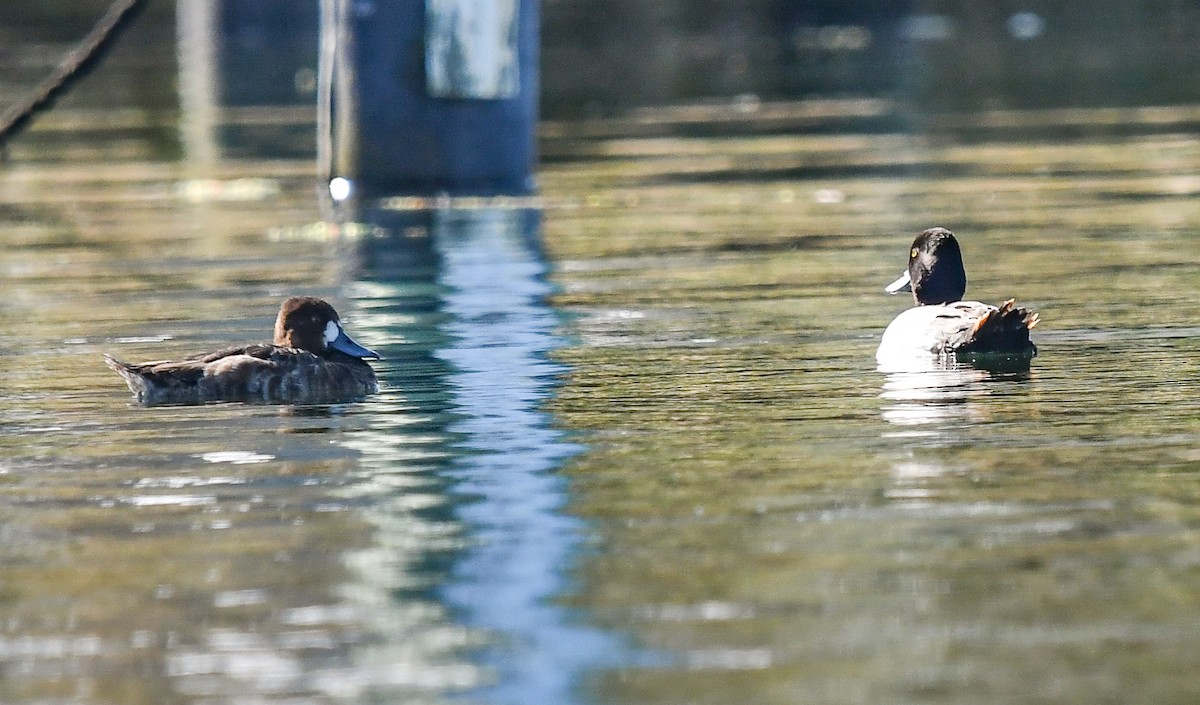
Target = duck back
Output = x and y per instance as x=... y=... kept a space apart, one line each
x=962 y=327
x=254 y=373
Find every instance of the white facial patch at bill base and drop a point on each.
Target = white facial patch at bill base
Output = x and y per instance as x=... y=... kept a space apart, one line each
x=332 y=331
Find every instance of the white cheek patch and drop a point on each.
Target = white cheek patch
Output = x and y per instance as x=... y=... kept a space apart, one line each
x=332 y=331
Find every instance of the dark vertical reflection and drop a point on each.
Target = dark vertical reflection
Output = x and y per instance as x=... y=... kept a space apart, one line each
x=454 y=300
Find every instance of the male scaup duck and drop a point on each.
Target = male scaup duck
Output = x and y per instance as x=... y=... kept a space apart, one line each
x=311 y=361
x=942 y=323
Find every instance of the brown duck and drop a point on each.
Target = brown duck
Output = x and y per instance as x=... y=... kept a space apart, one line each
x=311 y=361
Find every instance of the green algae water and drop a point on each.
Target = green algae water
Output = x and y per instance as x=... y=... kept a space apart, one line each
x=784 y=523
x=631 y=444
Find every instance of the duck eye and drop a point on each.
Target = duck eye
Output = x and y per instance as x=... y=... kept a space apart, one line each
x=912 y=253
x=332 y=330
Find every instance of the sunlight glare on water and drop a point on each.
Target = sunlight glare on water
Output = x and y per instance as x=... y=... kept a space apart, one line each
x=631 y=445
x=946 y=535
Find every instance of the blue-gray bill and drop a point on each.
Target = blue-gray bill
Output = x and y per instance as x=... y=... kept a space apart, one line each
x=346 y=344
x=904 y=283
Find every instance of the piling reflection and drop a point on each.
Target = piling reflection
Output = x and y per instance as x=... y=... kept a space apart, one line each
x=454 y=301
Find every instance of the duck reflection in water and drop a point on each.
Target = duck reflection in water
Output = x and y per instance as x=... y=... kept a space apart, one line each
x=945 y=390
x=310 y=361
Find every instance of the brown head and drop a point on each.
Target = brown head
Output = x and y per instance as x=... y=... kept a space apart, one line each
x=308 y=323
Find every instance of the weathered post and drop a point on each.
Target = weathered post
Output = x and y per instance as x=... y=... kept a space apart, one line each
x=198 y=109
x=429 y=96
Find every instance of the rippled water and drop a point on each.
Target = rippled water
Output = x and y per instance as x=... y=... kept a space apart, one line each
x=791 y=524
x=631 y=446
x=405 y=549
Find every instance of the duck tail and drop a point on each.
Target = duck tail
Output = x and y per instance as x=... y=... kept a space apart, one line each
x=136 y=382
x=1003 y=330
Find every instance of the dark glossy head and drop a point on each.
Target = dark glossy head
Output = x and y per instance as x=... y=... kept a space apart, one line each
x=308 y=323
x=935 y=272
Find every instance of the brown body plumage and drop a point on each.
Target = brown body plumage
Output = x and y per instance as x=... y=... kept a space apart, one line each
x=312 y=360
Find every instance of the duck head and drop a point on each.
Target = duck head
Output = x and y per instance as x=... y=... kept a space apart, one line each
x=935 y=273
x=308 y=323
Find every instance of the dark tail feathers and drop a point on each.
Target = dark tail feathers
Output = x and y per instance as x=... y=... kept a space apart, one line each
x=1005 y=331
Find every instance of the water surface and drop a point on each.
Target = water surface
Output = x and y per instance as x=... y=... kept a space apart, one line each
x=630 y=447
x=791 y=524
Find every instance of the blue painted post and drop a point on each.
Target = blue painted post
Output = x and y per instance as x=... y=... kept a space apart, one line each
x=432 y=96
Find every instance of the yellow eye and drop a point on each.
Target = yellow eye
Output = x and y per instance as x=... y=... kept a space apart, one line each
x=913 y=253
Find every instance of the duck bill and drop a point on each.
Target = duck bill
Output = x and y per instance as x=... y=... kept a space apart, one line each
x=346 y=344
x=901 y=284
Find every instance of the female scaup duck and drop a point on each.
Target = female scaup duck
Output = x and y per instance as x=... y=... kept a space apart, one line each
x=311 y=361
x=942 y=323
